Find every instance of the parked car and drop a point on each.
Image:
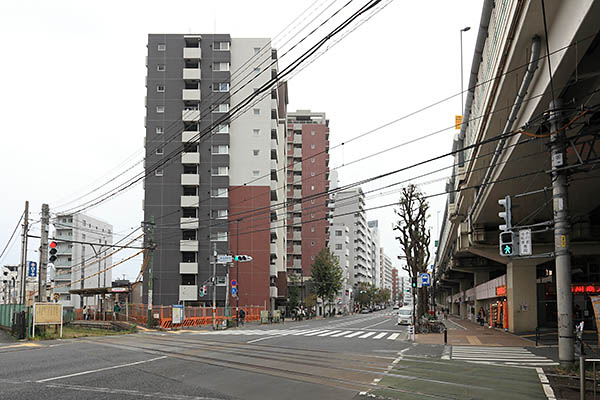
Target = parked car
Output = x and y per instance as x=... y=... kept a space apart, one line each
x=405 y=316
x=396 y=307
x=365 y=311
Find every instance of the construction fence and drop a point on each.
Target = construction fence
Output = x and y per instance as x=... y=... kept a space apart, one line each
x=162 y=315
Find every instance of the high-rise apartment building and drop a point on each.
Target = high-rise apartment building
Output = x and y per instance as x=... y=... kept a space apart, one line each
x=215 y=167
x=307 y=183
x=395 y=285
x=81 y=265
x=386 y=270
x=374 y=252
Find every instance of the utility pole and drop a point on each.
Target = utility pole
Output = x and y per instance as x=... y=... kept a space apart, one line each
x=24 y=254
x=150 y=265
x=564 y=299
x=214 y=285
x=237 y=273
x=43 y=253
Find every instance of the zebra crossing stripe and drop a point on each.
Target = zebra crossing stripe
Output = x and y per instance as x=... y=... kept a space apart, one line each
x=304 y=332
x=366 y=335
x=328 y=333
x=341 y=334
x=317 y=332
x=393 y=336
x=354 y=334
x=379 y=336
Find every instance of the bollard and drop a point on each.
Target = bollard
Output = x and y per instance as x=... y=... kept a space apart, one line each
x=537 y=335
x=445 y=335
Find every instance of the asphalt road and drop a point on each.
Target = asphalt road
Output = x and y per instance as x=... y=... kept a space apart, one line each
x=336 y=358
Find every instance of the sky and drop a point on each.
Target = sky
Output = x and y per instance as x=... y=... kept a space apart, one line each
x=73 y=97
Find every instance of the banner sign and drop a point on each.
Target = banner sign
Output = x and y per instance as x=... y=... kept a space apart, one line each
x=596 y=305
x=47 y=314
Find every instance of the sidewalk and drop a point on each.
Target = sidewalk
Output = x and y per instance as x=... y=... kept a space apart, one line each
x=465 y=333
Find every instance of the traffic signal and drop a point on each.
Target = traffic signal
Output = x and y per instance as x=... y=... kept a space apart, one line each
x=506 y=215
x=414 y=282
x=203 y=290
x=507 y=245
x=53 y=252
x=242 y=258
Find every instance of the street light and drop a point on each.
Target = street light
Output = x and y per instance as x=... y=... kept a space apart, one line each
x=462 y=103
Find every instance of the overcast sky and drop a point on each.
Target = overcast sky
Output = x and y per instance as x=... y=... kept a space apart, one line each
x=72 y=101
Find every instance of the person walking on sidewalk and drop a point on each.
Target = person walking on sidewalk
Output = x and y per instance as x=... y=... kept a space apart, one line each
x=445 y=313
x=481 y=316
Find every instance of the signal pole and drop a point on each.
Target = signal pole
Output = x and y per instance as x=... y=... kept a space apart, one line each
x=24 y=253
x=150 y=265
x=564 y=299
x=43 y=253
x=214 y=285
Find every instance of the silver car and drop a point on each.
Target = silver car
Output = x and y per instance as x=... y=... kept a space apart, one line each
x=405 y=316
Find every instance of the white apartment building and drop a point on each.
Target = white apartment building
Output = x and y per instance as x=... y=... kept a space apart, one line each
x=375 y=240
x=81 y=265
x=386 y=270
x=340 y=245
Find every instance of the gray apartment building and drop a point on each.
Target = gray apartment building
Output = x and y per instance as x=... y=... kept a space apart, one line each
x=214 y=169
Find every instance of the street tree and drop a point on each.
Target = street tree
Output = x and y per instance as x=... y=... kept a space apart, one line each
x=413 y=236
x=326 y=276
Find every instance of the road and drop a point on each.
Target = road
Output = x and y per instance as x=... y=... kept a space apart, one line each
x=336 y=358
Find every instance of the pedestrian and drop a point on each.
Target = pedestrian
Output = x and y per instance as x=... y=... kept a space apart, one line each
x=116 y=311
x=481 y=316
x=242 y=315
x=445 y=313
x=84 y=313
x=282 y=316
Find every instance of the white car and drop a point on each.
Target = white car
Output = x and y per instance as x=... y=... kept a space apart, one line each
x=404 y=316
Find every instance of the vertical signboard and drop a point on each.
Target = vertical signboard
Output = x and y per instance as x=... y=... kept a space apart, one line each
x=177 y=314
x=596 y=304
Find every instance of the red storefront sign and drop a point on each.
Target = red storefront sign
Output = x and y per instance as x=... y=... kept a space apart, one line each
x=501 y=291
x=585 y=289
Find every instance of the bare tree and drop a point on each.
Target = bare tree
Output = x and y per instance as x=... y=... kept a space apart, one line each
x=413 y=236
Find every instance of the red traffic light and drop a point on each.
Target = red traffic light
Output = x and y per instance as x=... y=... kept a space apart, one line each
x=52 y=245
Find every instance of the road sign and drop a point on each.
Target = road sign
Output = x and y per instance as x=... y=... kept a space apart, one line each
x=223 y=258
x=234 y=291
x=233 y=283
x=32 y=269
x=525 y=242
x=425 y=279
x=177 y=314
x=458 y=121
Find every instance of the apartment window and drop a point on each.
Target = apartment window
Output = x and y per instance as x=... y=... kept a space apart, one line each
x=312 y=244
x=338 y=246
x=221 y=108
x=221 y=87
x=160 y=109
x=221 y=66
x=220 y=149
x=338 y=233
x=221 y=46
x=312 y=215
x=159 y=130
x=158 y=172
x=220 y=171
x=160 y=88
x=256 y=50
x=312 y=160
x=255 y=152
x=160 y=151
x=312 y=133
x=256 y=111
x=312 y=146
x=161 y=68
x=220 y=214
x=220 y=192
x=222 y=129
x=162 y=47
x=312 y=187
x=312 y=174
x=312 y=257
x=255 y=172
x=255 y=132
x=218 y=236
x=312 y=202
x=312 y=228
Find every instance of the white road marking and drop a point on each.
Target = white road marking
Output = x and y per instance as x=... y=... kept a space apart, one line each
x=304 y=332
x=328 y=333
x=546 y=384
x=379 y=323
x=354 y=334
x=317 y=332
x=379 y=336
x=366 y=335
x=262 y=338
x=100 y=370
x=341 y=334
x=508 y=356
x=393 y=336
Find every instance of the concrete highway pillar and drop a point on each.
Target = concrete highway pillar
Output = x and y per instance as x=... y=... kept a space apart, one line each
x=463 y=285
x=521 y=292
x=479 y=278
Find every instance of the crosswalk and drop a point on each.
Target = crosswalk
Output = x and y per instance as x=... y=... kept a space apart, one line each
x=499 y=355
x=316 y=333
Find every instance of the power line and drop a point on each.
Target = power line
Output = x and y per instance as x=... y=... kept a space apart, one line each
x=89 y=243
x=12 y=235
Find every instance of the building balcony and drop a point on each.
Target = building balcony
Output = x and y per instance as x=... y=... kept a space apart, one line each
x=297 y=236
x=62 y=277
x=297 y=249
x=188 y=223
x=297 y=139
x=188 y=245
x=192 y=53
x=297 y=208
x=273 y=248
x=191 y=73
x=274 y=144
x=297 y=193
x=191 y=94
x=190 y=136
x=188 y=292
x=297 y=153
x=272 y=291
x=190 y=201
x=273 y=166
x=273 y=125
x=188 y=268
x=297 y=264
x=190 y=158
x=62 y=290
x=297 y=221
x=190 y=115
x=190 y=179
x=297 y=167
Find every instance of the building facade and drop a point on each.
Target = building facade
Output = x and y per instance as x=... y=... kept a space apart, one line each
x=386 y=270
x=81 y=265
x=215 y=154
x=375 y=253
x=307 y=184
